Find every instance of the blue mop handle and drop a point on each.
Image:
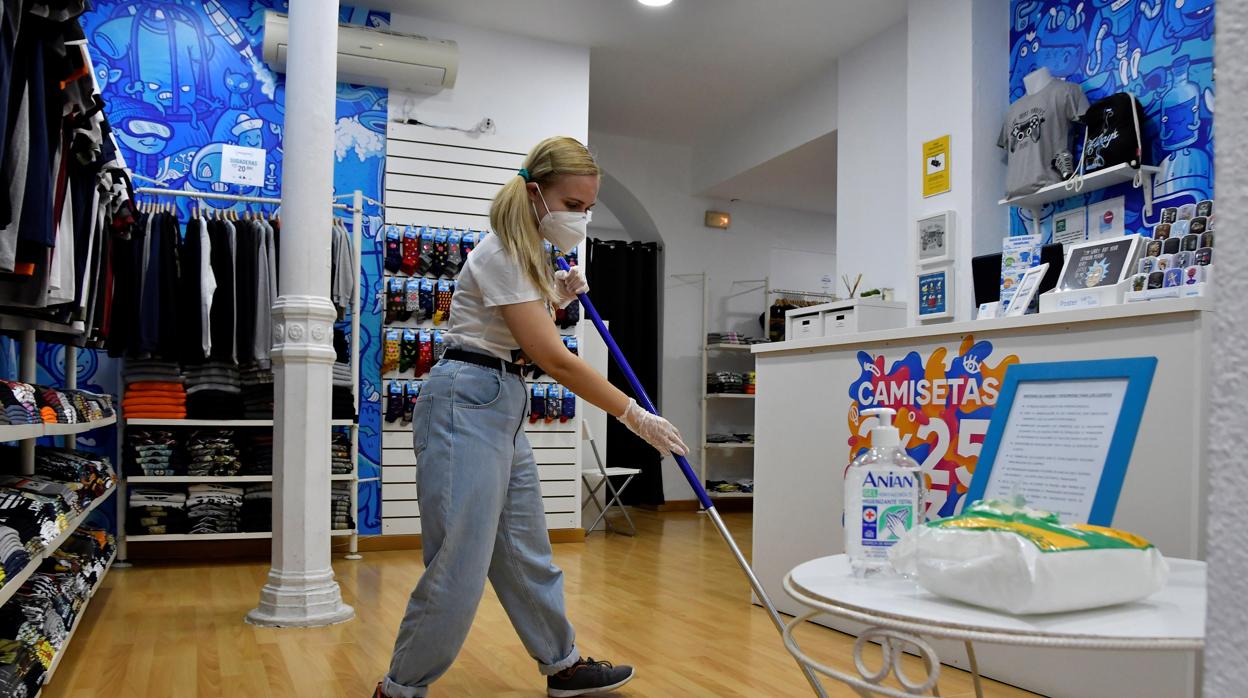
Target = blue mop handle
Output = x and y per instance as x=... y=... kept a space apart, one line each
x=642 y=398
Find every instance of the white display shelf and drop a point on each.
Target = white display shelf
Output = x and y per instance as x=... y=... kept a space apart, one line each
x=20 y=432
x=12 y=585
x=731 y=495
x=82 y=613
x=168 y=537
x=1108 y=177
x=728 y=445
x=145 y=422
x=730 y=347
x=255 y=535
x=729 y=396
x=225 y=479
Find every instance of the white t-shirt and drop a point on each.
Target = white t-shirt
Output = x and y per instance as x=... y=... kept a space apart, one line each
x=490 y=279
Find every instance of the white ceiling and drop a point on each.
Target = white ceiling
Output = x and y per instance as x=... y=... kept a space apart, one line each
x=675 y=73
x=803 y=178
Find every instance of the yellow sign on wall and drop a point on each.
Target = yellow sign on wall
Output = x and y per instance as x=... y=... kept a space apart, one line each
x=936 y=166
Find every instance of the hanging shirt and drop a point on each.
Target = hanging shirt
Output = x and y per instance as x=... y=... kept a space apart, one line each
x=1037 y=127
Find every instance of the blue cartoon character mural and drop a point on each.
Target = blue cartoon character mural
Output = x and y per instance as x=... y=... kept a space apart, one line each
x=1161 y=51
x=182 y=79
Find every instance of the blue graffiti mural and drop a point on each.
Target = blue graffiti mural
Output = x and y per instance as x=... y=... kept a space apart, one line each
x=1159 y=50
x=181 y=79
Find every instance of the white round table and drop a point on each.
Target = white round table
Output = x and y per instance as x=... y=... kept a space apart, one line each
x=898 y=614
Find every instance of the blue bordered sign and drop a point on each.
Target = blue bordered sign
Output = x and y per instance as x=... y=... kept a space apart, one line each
x=1138 y=372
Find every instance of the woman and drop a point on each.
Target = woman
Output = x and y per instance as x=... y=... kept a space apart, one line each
x=480 y=495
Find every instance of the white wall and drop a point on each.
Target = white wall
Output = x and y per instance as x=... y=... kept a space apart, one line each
x=532 y=89
x=779 y=126
x=659 y=176
x=959 y=86
x=1226 y=662
x=872 y=163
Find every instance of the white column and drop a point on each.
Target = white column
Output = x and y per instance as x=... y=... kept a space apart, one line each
x=301 y=590
x=1226 y=662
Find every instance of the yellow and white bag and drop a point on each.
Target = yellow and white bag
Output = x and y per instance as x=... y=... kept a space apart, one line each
x=1025 y=561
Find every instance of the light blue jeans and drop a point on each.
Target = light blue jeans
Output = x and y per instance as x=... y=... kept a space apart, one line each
x=481 y=516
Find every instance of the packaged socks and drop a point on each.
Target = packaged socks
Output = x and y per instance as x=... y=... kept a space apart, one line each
x=446 y=289
x=554 y=403
x=411 y=251
x=569 y=406
x=537 y=402
x=409 y=351
x=390 y=351
x=425 y=362
x=427 y=302
x=454 y=253
x=394 y=254
x=426 y=251
x=395 y=400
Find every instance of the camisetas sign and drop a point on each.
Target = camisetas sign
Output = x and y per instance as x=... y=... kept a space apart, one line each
x=944 y=402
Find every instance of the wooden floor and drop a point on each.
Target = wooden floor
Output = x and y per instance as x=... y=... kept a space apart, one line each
x=670 y=601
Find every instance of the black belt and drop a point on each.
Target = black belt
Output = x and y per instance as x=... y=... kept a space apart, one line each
x=472 y=357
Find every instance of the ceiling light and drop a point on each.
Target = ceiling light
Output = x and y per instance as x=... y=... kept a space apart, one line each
x=655 y=3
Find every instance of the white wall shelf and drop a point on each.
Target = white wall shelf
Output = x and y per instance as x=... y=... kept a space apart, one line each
x=1101 y=179
x=78 y=619
x=742 y=352
x=20 y=432
x=224 y=423
x=220 y=479
x=250 y=535
x=12 y=585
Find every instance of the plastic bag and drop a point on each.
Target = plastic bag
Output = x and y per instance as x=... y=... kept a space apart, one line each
x=1021 y=561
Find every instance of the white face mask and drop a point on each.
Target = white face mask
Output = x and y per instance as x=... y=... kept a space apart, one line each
x=563 y=229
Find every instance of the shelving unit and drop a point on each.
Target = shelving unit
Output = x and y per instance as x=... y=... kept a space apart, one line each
x=28 y=332
x=356 y=209
x=736 y=353
x=82 y=613
x=1101 y=179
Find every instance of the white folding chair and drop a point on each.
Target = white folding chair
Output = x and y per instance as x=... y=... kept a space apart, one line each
x=601 y=477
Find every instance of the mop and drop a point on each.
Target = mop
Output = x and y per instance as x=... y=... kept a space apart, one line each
x=694 y=482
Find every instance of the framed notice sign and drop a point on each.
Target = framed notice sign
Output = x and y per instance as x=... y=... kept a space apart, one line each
x=936 y=166
x=1062 y=435
x=1099 y=263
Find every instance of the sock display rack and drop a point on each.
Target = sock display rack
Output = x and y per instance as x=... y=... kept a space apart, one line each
x=445 y=180
x=28 y=332
x=728 y=461
x=352 y=425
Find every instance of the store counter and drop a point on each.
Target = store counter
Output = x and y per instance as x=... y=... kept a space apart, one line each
x=807 y=426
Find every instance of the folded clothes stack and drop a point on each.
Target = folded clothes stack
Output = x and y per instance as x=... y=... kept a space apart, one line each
x=212 y=509
x=153 y=453
x=256 y=451
x=343 y=403
x=340 y=453
x=257 y=391
x=729 y=438
x=725 y=382
x=731 y=338
x=744 y=486
x=213 y=391
x=212 y=452
x=90 y=476
x=13 y=554
x=35 y=622
x=258 y=508
x=32 y=404
x=156 y=512
x=154 y=390
x=341 y=508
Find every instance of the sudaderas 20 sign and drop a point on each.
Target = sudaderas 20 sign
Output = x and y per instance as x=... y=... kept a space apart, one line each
x=944 y=404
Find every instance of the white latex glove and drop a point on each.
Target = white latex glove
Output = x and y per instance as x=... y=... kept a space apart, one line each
x=570 y=284
x=657 y=432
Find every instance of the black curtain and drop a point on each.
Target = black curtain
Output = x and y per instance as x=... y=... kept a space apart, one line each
x=625 y=290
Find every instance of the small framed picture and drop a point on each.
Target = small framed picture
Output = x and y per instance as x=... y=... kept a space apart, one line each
x=934 y=239
x=1026 y=290
x=934 y=291
x=1101 y=263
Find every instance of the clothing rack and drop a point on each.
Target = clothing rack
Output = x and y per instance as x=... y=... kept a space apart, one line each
x=356 y=208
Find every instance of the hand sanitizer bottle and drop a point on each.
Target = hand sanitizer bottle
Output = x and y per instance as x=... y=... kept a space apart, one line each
x=884 y=493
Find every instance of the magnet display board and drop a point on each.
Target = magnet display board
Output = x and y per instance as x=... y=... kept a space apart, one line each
x=1062 y=436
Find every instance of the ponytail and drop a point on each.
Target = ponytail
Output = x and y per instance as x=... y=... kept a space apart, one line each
x=511 y=213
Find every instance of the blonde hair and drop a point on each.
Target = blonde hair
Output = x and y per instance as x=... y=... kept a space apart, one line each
x=511 y=213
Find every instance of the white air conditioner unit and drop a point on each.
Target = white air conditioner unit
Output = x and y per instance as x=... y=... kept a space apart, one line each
x=375 y=56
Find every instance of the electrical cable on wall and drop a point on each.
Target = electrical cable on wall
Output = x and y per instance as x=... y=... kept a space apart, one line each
x=482 y=127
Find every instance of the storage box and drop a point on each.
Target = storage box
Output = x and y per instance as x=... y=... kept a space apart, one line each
x=843 y=317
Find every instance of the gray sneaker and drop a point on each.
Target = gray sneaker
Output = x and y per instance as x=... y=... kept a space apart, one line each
x=588 y=677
